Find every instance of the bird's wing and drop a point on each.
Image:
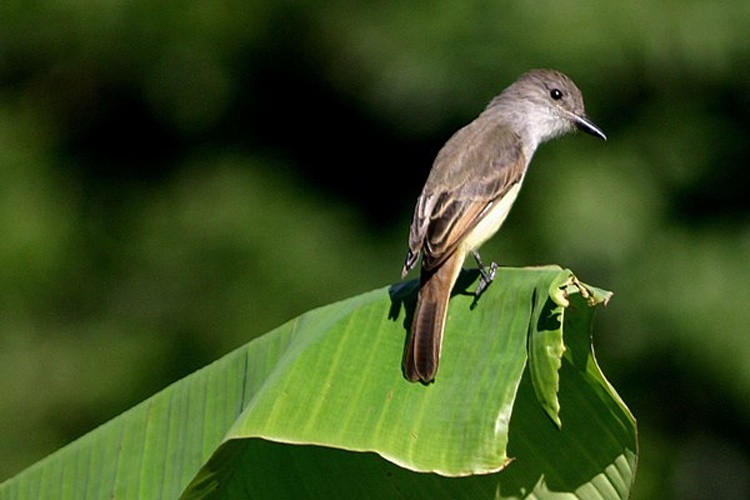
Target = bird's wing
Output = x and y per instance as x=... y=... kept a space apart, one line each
x=474 y=170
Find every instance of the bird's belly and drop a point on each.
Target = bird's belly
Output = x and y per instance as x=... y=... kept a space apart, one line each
x=492 y=221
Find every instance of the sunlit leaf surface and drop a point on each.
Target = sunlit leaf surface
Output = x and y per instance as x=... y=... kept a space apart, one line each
x=285 y=415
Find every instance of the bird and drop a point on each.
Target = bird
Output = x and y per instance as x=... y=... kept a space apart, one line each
x=471 y=187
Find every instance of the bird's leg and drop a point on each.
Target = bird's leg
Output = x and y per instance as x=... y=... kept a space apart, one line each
x=486 y=274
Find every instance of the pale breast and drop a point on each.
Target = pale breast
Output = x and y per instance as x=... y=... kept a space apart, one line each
x=492 y=221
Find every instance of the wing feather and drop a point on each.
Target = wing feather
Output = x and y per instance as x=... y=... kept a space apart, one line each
x=474 y=169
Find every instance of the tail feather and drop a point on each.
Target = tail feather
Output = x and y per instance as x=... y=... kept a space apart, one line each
x=422 y=354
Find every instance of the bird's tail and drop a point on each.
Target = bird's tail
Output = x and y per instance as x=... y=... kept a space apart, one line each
x=422 y=353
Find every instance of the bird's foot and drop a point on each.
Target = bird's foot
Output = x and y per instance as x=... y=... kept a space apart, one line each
x=486 y=275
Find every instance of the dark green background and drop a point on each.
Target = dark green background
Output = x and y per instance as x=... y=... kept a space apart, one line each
x=179 y=177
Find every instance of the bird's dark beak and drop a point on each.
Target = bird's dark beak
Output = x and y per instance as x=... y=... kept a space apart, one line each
x=589 y=127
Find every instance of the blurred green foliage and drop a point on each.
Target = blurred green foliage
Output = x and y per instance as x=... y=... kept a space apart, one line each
x=176 y=178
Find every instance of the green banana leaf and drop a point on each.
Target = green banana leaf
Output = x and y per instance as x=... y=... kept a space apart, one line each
x=318 y=408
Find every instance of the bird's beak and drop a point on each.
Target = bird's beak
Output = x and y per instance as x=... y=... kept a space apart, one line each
x=588 y=126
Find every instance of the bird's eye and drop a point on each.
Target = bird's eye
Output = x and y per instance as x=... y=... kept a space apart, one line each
x=556 y=94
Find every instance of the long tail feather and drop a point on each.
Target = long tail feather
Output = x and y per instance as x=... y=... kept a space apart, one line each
x=422 y=354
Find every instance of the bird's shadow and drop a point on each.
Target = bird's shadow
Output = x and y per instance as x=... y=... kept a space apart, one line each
x=404 y=294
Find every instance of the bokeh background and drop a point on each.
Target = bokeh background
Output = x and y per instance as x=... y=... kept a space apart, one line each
x=177 y=178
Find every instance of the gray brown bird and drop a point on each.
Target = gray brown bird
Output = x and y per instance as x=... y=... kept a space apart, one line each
x=471 y=187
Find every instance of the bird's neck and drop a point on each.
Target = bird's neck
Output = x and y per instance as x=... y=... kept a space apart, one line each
x=534 y=125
